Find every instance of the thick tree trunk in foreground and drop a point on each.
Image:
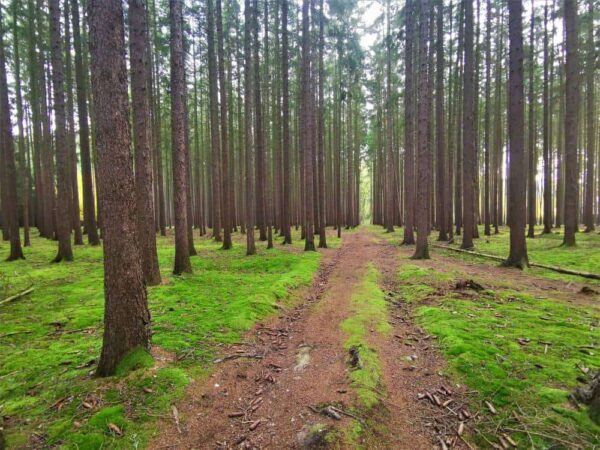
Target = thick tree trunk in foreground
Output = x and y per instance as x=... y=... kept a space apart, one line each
x=571 y=122
x=178 y=141
x=516 y=134
x=126 y=314
x=141 y=132
x=63 y=176
x=10 y=209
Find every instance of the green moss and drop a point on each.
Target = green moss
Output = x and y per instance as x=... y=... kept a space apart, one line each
x=480 y=339
x=135 y=359
x=50 y=339
x=543 y=249
x=369 y=311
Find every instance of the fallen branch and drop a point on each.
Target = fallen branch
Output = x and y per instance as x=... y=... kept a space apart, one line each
x=17 y=296
x=592 y=276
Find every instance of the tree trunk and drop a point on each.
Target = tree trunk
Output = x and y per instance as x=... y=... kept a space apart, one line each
x=63 y=175
x=571 y=122
x=306 y=129
x=126 y=314
x=442 y=185
x=590 y=124
x=286 y=213
x=10 y=207
x=547 y=193
x=469 y=149
x=138 y=36
x=532 y=163
x=422 y=210
x=224 y=135
x=321 y=132
x=248 y=138
x=516 y=134
x=89 y=207
x=178 y=140
x=409 y=115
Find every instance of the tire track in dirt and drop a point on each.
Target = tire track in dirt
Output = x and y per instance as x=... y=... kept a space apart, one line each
x=263 y=399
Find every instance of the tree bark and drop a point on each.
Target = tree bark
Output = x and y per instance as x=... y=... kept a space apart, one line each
x=409 y=114
x=516 y=133
x=224 y=135
x=441 y=169
x=422 y=210
x=571 y=122
x=89 y=206
x=63 y=175
x=10 y=207
x=138 y=36
x=178 y=140
x=126 y=314
x=469 y=150
x=590 y=123
x=248 y=137
x=286 y=213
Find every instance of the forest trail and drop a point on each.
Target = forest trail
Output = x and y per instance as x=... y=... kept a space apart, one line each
x=296 y=363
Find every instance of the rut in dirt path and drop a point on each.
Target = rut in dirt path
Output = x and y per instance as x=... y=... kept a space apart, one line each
x=298 y=363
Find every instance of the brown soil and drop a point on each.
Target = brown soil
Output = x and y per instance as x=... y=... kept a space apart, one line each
x=259 y=398
x=265 y=391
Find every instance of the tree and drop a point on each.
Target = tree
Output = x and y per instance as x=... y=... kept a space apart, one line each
x=248 y=137
x=321 y=132
x=516 y=134
x=138 y=37
x=487 y=114
x=590 y=69
x=422 y=210
x=126 y=314
x=286 y=213
x=547 y=193
x=178 y=140
x=259 y=135
x=306 y=140
x=469 y=150
x=532 y=163
x=63 y=176
x=409 y=114
x=89 y=207
x=571 y=127
x=224 y=134
x=389 y=176
x=441 y=169
x=10 y=209
x=215 y=139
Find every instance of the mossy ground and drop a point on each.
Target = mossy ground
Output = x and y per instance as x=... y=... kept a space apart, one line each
x=369 y=314
x=50 y=339
x=543 y=249
x=479 y=336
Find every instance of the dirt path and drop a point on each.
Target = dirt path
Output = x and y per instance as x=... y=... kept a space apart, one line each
x=297 y=363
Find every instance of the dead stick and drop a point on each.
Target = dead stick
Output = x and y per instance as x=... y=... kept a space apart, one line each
x=17 y=296
x=593 y=276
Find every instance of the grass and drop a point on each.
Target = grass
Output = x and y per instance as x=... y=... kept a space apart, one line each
x=478 y=335
x=543 y=249
x=50 y=339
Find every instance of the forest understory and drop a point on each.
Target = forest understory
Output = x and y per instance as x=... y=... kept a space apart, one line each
x=355 y=347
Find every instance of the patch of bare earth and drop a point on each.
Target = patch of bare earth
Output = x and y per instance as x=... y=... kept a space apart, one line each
x=262 y=394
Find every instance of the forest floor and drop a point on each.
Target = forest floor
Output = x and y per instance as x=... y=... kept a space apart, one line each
x=380 y=351
x=387 y=352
